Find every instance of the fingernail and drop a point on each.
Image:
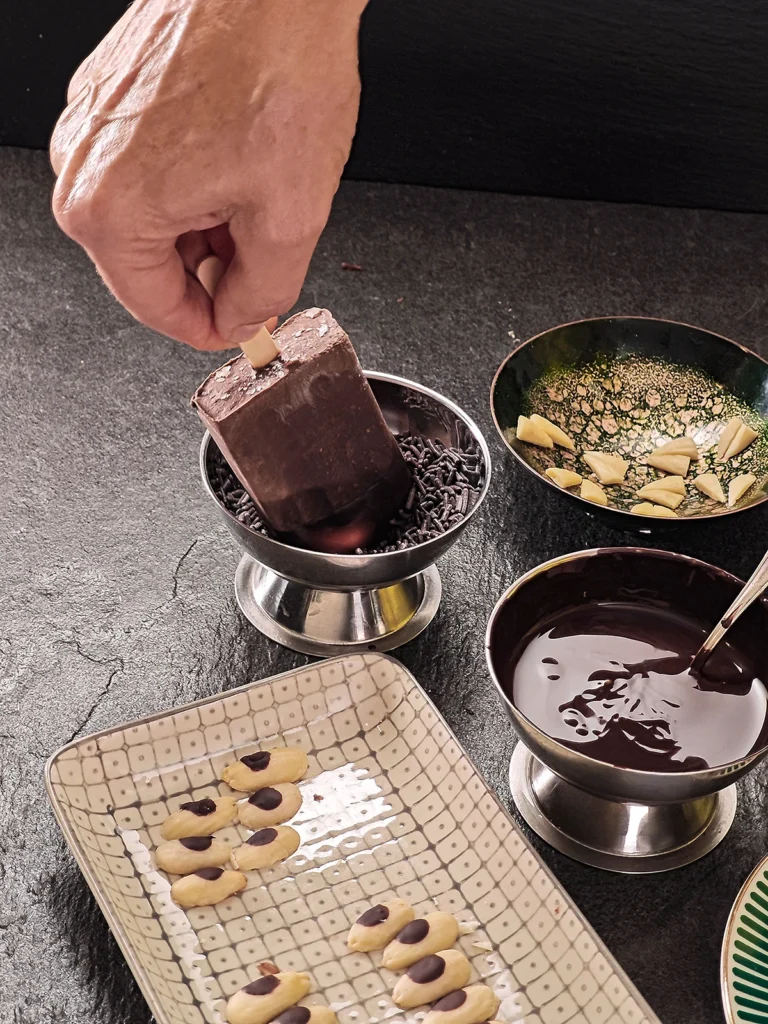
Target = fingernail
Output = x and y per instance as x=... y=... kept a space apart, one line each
x=244 y=333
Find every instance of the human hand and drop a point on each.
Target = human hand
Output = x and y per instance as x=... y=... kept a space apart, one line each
x=202 y=127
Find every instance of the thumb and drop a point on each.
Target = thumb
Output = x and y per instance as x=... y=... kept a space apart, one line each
x=263 y=279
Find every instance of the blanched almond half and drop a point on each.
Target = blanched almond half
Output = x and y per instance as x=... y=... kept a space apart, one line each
x=594 y=493
x=647 y=509
x=558 y=436
x=739 y=486
x=533 y=434
x=676 y=464
x=563 y=477
x=744 y=438
x=730 y=431
x=679 y=446
x=655 y=492
x=609 y=469
x=676 y=484
x=709 y=484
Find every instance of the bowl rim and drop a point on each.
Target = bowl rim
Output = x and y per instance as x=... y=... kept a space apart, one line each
x=720 y=769
x=349 y=559
x=649 y=521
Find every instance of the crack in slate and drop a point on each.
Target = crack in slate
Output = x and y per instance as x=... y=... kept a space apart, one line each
x=179 y=565
x=107 y=687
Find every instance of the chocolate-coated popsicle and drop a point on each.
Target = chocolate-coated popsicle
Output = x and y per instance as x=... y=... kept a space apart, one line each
x=306 y=438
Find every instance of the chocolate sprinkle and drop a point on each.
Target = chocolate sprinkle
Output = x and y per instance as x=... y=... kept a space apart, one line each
x=263 y=837
x=257 y=762
x=414 y=932
x=210 y=874
x=266 y=799
x=296 y=1015
x=199 y=807
x=451 y=1002
x=374 y=916
x=197 y=843
x=430 y=968
x=447 y=482
x=263 y=986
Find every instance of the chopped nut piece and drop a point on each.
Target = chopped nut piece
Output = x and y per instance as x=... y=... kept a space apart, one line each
x=744 y=438
x=679 y=446
x=677 y=465
x=558 y=436
x=564 y=478
x=659 y=494
x=594 y=493
x=739 y=486
x=647 y=509
x=730 y=431
x=709 y=484
x=609 y=469
x=267 y=968
x=533 y=434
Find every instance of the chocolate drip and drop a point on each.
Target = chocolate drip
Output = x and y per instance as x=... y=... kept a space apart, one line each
x=263 y=986
x=199 y=807
x=376 y=915
x=429 y=969
x=257 y=762
x=451 y=1002
x=266 y=799
x=414 y=932
x=296 y=1015
x=210 y=874
x=263 y=837
x=197 y=843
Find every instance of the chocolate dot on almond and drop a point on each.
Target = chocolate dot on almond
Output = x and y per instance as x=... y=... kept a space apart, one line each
x=257 y=762
x=266 y=799
x=209 y=874
x=451 y=1002
x=263 y=837
x=197 y=843
x=263 y=986
x=374 y=916
x=199 y=807
x=414 y=932
x=296 y=1015
x=429 y=969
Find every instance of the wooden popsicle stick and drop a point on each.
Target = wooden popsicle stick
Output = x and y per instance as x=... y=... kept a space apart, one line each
x=258 y=350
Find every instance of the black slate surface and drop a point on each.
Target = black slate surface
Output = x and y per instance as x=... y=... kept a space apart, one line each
x=116 y=578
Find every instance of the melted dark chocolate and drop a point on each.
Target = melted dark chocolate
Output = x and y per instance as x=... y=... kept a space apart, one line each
x=451 y=1002
x=296 y=1015
x=266 y=799
x=625 y=693
x=199 y=807
x=374 y=916
x=414 y=932
x=197 y=843
x=263 y=837
x=430 y=968
x=263 y=986
x=210 y=874
x=257 y=762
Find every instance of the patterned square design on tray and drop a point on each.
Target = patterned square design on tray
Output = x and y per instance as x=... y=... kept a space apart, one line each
x=391 y=807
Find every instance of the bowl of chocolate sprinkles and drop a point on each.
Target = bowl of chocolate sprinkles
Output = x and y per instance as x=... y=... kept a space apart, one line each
x=450 y=463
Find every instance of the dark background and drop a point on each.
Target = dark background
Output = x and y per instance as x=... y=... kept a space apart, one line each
x=654 y=101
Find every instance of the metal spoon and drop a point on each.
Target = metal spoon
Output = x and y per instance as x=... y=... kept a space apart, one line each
x=751 y=590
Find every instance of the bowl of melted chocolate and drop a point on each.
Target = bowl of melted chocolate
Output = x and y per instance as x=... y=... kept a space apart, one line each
x=627 y=751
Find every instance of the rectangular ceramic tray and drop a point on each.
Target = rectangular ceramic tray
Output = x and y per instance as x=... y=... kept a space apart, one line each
x=392 y=807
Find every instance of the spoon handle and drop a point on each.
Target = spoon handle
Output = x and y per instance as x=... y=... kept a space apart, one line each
x=751 y=590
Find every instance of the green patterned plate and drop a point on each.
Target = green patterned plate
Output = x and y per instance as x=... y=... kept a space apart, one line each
x=744 y=959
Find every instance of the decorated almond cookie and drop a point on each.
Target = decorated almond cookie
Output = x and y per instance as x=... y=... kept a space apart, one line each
x=182 y=856
x=270 y=806
x=265 y=768
x=207 y=886
x=432 y=978
x=266 y=847
x=199 y=818
x=418 y=939
x=307 y=1015
x=471 y=1005
x=262 y=1000
x=379 y=925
